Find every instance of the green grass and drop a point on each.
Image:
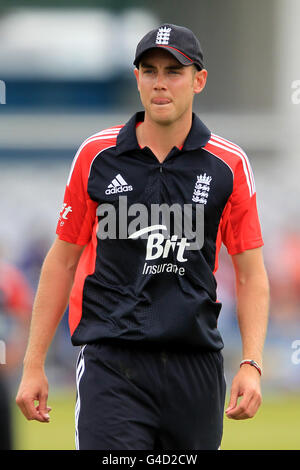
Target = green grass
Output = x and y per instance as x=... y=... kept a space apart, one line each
x=276 y=426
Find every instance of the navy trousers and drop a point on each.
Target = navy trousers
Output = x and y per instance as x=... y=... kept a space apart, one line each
x=136 y=398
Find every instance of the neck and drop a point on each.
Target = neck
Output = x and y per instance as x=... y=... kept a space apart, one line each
x=162 y=138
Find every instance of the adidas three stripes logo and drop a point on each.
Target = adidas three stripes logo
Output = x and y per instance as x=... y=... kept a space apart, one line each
x=118 y=185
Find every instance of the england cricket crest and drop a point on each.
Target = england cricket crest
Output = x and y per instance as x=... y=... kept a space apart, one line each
x=201 y=190
x=163 y=35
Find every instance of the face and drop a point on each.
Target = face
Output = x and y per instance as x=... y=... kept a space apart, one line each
x=167 y=87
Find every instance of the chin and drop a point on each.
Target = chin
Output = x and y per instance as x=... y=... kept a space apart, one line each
x=163 y=118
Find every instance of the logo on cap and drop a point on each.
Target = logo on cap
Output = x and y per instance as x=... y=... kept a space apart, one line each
x=163 y=35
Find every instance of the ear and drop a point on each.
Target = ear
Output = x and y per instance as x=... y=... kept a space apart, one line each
x=200 y=80
x=137 y=76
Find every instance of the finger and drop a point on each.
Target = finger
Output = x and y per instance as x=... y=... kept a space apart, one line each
x=22 y=407
x=48 y=408
x=239 y=411
x=245 y=408
x=23 y=403
x=42 y=406
x=233 y=399
x=33 y=413
x=252 y=409
x=29 y=410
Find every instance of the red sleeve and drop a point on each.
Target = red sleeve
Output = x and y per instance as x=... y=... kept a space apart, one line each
x=78 y=213
x=240 y=224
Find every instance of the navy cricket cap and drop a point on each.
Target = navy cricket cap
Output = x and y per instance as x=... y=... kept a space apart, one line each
x=178 y=40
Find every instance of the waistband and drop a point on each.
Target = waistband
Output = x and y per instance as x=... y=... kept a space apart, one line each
x=152 y=346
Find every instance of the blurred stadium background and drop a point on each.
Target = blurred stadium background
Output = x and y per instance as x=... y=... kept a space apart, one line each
x=67 y=73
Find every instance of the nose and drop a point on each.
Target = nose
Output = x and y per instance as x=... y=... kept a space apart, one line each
x=160 y=82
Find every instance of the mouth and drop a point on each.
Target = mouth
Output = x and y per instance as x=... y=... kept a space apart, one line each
x=160 y=101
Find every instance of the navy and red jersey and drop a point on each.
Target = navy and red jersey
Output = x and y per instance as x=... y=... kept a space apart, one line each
x=149 y=288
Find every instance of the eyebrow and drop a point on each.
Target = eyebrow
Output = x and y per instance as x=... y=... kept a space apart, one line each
x=169 y=67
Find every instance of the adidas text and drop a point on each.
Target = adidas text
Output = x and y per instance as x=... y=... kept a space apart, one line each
x=118 y=189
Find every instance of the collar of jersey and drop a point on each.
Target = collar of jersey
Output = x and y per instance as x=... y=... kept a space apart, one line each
x=198 y=136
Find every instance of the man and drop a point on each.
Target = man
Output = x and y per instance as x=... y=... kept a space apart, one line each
x=143 y=304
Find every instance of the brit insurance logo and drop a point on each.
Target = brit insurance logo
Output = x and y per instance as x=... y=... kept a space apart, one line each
x=118 y=185
x=159 y=247
x=65 y=210
x=169 y=231
x=202 y=188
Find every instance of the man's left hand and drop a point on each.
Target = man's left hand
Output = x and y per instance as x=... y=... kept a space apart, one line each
x=245 y=384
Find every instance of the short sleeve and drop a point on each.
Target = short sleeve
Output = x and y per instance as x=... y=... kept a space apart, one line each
x=78 y=212
x=240 y=225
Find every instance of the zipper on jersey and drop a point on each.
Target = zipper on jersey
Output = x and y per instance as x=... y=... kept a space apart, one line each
x=159 y=181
